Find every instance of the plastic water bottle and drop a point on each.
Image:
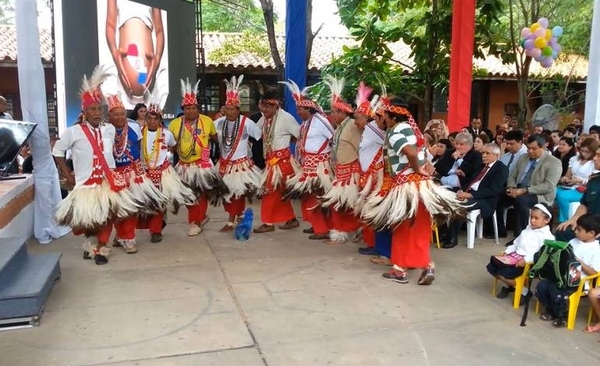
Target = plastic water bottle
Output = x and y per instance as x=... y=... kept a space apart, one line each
x=243 y=229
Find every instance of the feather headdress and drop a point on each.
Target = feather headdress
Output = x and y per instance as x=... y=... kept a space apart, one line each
x=383 y=101
x=90 y=92
x=232 y=95
x=154 y=102
x=362 y=100
x=114 y=101
x=300 y=95
x=188 y=93
x=337 y=86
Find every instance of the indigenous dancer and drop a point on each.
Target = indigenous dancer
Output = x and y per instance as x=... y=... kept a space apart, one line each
x=156 y=142
x=370 y=156
x=98 y=197
x=408 y=198
x=278 y=129
x=313 y=151
x=239 y=173
x=126 y=151
x=195 y=167
x=342 y=197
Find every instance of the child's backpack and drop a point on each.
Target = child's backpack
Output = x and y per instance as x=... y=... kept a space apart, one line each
x=555 y=261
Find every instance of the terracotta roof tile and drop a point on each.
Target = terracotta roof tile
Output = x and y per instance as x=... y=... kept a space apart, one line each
x=8 y=44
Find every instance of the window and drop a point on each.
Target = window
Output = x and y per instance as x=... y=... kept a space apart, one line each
x=245 y=99
x=212 y=101
x=440 y=101
x=51 y=106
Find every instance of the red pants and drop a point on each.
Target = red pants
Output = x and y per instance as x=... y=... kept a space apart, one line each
x=126 y=228
x=103 y=235
x=155 y=224
x=197 y=212
x=344 y=221
x=313 y=213
x=411 y=241
x=368 y=236
x=273 y=209
x=236 y=207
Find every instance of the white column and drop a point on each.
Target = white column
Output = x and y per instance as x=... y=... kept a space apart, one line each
x=592 y=94
x=32 y=92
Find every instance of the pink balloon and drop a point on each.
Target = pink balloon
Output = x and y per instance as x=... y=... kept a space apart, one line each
x=528 y=53
x=529 y=45
x=557 y=47
x=536 y=53
x=531 y=36
x=525 y=32
x=540 y=32
x=543 y=22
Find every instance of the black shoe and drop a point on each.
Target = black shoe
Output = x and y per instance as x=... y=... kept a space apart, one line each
x=86 y=255
x=492 y=236
x=525 y=298
x=319 y=237
x=367 y=251
x=155 y=238
x=164 y=224
x=449 y=244
x=310 y=230
x=100 y=259
x=504 y=292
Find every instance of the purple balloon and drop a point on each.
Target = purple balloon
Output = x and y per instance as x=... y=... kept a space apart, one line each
x=557 y=47
x=554 y=54
x=552 y=41
x=531 y=36
x=547 y=62
x=528 y=53
x=543 y=22
x=529 y=45
x=536 y=53
x=540 y=32
x=525 y=32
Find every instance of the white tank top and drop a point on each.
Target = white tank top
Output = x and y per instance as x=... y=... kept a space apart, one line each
x=129 y=10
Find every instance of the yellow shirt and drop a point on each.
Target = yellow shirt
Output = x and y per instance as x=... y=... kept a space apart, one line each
x=185 y=143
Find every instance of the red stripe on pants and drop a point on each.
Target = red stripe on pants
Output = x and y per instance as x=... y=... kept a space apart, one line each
x=197 y=212
x=236 y=207
x=155 y=224
x=411 y=241
x=313 y=213
x=104 y=234
x=126 y=228
x=273 y=209
x=369 y=236
x=344 y=221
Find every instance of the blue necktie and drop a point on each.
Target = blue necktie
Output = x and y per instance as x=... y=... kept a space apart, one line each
x=527 y=177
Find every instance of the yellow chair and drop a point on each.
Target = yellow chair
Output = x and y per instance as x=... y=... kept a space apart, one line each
x=591 y=312
x=435 y=235
x=520 y=282
x=574 y=301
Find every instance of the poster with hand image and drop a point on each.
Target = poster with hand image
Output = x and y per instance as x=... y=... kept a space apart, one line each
x=133 y=49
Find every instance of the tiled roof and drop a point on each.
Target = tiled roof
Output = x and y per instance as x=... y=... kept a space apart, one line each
x=8 y=44
x=325 y=48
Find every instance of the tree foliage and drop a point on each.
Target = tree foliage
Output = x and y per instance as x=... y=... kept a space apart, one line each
x=232 y=16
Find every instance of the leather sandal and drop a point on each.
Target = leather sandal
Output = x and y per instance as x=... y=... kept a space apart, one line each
x=264 y=228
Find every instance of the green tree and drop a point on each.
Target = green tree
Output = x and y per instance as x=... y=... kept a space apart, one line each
x=232 y=16
x=7 y=12
x=423 y=25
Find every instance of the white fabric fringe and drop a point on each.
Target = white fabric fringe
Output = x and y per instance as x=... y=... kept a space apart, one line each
x=343 y=195
x=243 y=178
x=322 y=182
x=176 y=192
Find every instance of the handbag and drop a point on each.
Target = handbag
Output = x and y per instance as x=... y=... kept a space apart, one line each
x=508 y=260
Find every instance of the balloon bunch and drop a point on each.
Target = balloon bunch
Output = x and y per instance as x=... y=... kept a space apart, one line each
x=541 y=42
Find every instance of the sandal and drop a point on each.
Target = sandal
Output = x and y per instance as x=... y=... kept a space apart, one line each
x=546 y=317
x=592 y=328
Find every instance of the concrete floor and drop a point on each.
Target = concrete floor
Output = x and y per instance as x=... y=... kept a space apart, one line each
x=279 y=300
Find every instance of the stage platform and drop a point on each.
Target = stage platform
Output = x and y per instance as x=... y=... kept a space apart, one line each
x=16 y=206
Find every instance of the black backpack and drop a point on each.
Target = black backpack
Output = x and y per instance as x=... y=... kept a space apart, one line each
x=555 y=261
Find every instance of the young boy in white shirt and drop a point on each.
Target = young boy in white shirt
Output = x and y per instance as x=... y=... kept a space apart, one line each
x=587 y=251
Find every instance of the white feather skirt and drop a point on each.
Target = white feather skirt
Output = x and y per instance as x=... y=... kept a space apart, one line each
x=204 y=181
x=89 y=208
x=241 y=176
x=344 y=188
x=315 y=177
x=368 y=183
x=142 y=190
x=175 y=190
x=397 y=202
x=275 y=176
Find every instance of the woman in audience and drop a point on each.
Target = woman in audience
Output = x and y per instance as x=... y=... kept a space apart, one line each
x=139 y=114
x=511 y=262
x=564 y=152
x=499 y=140
x=442 y=145
x=479 y=141
x=572 y=184
x=431 y=139
x=439 y=126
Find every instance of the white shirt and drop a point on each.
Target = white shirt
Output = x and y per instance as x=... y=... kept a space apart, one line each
x=529 y=242
x=241 y=149
x=371 y=143
x=6 y=116
x=168 y=141
x=506 y=158
x=581 y=171
x=475 y=185
x=319 y=133
x=74 y=139
x=588 y=253
x=284 y=127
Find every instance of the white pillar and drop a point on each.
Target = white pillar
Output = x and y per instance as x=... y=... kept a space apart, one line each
x=32 y=92
x=592 y=93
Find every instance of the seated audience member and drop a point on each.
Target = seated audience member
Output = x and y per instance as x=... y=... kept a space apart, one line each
x=442 y=146
x=572 y=184
x=587 y=250
x=476 y=127
x=570 y=132
x=555 y=137
x=590 y=203
x=479 y=141
x=431 y=140
x=511 y=262
x=500 y=140
x=581 y=138
x=458 y=166
x=439 y=126
x=595 y=132
x=482 y=191
x=451 y=137
x=537 y=130
x=533 y=180
x=578 y=125
x=514 y=149
x=565 y=151
x=514 y=124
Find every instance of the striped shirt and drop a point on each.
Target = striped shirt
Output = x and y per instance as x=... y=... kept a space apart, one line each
x=398 y=137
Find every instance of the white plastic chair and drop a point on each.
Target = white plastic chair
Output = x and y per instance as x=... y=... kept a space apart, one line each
x=505 y=214
x=475 y=223
x=572 y=208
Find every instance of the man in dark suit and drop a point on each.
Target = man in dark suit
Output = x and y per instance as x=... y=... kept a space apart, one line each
x=458 y=166
x=533 y=180
x=483 y=190
x=477 y=128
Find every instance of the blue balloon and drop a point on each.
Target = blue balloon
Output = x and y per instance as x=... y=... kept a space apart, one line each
x=557 y=31
x=554 y=54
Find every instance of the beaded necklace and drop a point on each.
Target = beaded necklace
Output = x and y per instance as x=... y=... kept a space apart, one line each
x=268 y=132
x=156 y=145
x=337 y=136
x=121 y=141
x=193 y=130
x=229 y=135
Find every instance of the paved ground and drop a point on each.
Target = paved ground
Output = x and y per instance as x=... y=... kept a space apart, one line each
x=279 y=300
